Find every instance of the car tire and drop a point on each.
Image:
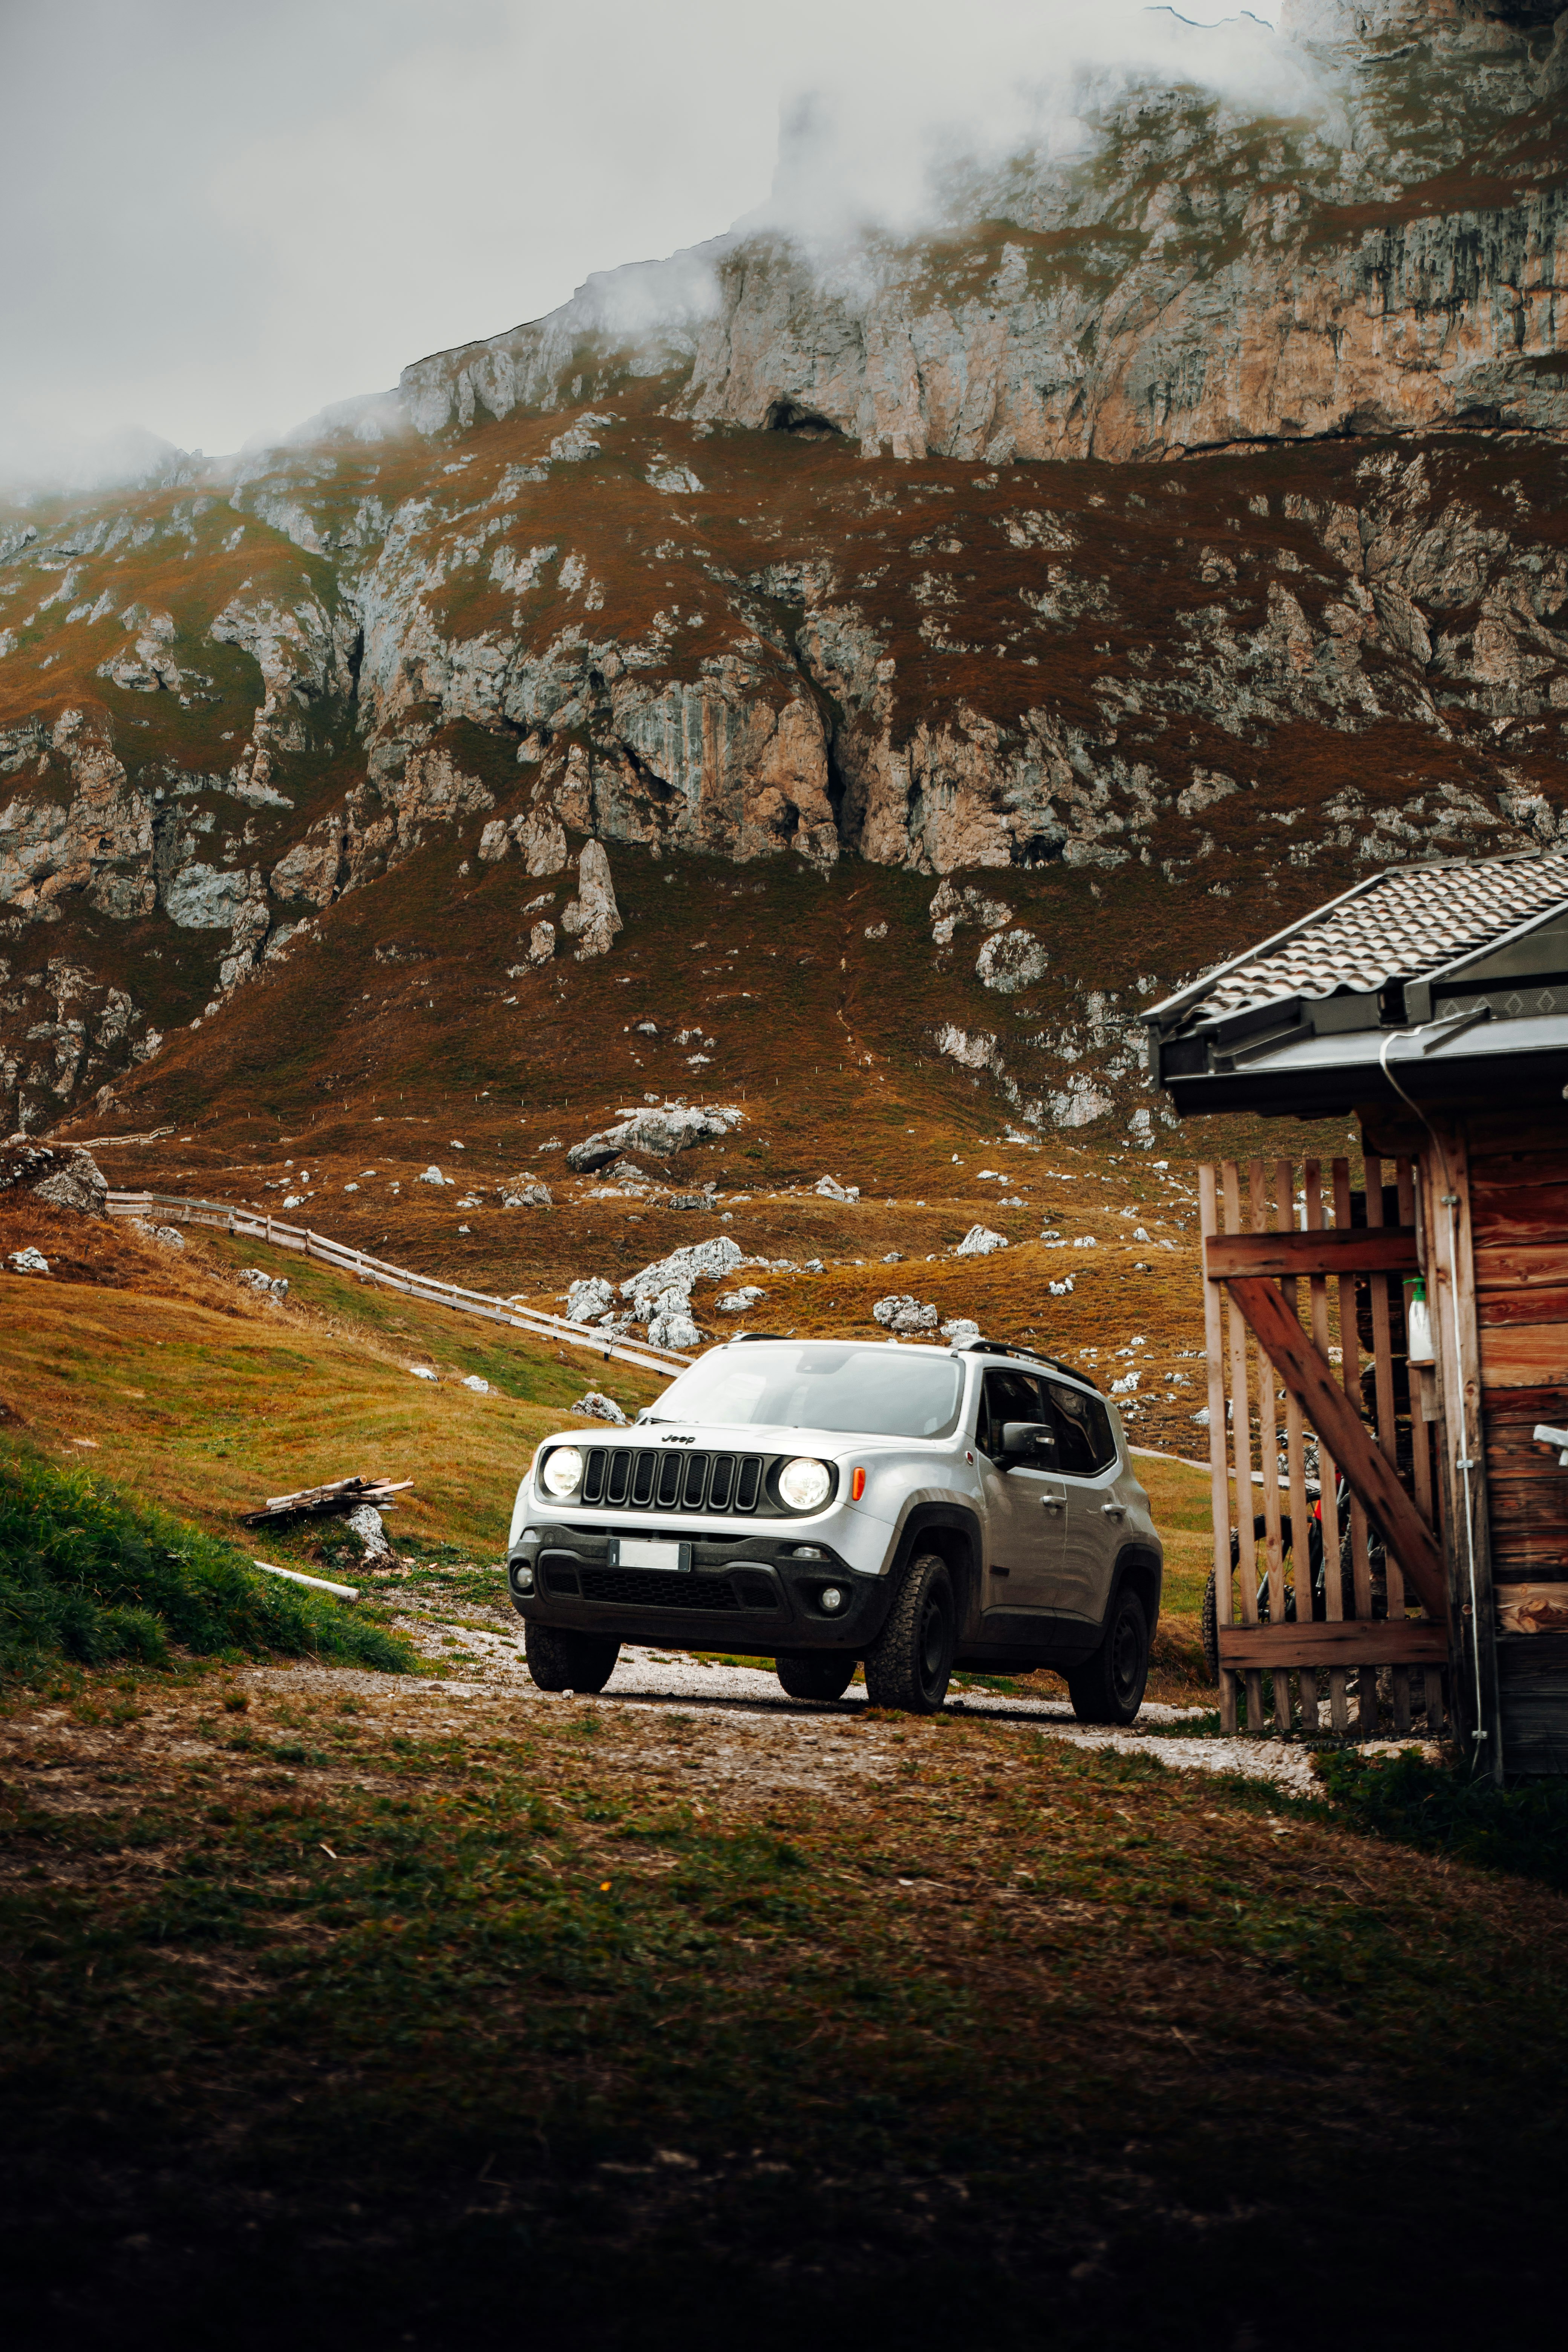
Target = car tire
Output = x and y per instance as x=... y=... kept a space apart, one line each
x=814 y=1673
x=560 y=1660
x=1108 y=1687
x=908 y=1663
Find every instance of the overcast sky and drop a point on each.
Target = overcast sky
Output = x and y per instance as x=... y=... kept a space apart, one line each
x=221 y=214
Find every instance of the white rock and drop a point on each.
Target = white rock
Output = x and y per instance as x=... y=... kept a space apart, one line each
x=422 y=1372
x=736 y=1302
x=494 y=842
x=253 y=1277
x=472 y=1381
x=960 y=1331
x=431 y=1175
x=1060 y=1289
x=593 y=918
x=1085 y=1240
x=365 y=1522
x=595 y=1406
x=27 y=1261
x=1126 y=1386
x=905 y=1314
x=1009 y=962
x=588 y=1297
x=832 y=1190
x=663 y=1130
x=532 y=1196
x=979 y=1242
x=542 y=943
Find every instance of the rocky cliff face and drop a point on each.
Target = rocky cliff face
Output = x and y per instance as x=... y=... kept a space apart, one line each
x=1383 y=250
x=689 y=614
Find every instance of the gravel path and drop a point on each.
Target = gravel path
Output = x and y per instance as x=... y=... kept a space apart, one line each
x=655 y=1678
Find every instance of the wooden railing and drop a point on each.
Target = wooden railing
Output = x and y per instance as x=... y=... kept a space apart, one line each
x=253 y=1225
x=1371 y=1426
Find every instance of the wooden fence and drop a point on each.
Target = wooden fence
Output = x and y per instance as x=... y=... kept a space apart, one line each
x=253 y=1225
x=1321 y=1606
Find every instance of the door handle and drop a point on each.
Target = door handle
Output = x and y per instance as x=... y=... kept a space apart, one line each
x=1053 y=1503
x=1000 y=1571
x=1114 y=1510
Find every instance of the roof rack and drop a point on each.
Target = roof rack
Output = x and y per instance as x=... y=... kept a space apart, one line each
x=736 y=1337
x=1028 y=1354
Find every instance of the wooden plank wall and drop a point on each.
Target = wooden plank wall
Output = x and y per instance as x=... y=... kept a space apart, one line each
x=1519 y=1212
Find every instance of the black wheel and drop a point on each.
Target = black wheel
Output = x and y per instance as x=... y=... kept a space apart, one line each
x=1211 y=1628
x=1108 y=1686
x=908 y=1663
x=562 y=1661
x=814 y=1673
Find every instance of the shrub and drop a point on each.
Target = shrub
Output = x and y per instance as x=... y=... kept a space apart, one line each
x=1523 y=1828
x=87 y=1575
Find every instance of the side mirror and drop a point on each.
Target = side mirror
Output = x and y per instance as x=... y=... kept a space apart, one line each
x=1027 y=1442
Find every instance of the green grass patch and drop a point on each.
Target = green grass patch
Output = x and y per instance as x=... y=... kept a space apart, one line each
x=88 y=1577
x=1523 y=1828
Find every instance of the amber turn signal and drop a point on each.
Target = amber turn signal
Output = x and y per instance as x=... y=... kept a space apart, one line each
x=857 y=1484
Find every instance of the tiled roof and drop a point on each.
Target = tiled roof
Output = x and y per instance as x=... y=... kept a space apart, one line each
x=1406 y=925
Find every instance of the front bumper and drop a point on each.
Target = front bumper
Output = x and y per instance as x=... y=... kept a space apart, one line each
x=761 y=1593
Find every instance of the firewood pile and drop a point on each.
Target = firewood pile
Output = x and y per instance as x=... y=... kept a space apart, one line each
x=337 y=1497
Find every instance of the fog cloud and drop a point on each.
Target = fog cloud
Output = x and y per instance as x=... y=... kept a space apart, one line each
x=222 y=219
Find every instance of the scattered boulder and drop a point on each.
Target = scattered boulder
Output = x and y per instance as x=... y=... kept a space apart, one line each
x=1060 y=1289
x=422 y=1372
x=532 y=1196
x=979 y=1242
x=905 y=1314
x=271 y=1286
x=663 y=1129
x=832 y=1190
x=542 y=943
x=960 y=1331
x=593 y=918
x=589 y=1298
x=472 y=1381
x=952 y=907
x=1010 y=961
x=670 y=1324
x=63 y=1175
x=27 y=1261
x=698 y=1261
x=168 y=1236
x=736 y=1302
x=431 y=1175
x=365 y=1523
x=596 y=1406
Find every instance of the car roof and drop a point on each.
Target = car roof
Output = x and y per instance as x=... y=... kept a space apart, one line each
x=1002 y=1352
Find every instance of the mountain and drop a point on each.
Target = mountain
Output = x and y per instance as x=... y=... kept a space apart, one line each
x=1166 y=534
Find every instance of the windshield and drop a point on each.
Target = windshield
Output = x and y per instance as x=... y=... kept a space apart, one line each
x=864 y=1392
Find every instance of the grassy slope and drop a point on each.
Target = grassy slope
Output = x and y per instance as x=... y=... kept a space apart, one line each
x=182 y=1389
x=441 y=2018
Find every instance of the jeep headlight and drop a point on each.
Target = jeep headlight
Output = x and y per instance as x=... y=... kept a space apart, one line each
x=563 y=1471
x=804 y=1484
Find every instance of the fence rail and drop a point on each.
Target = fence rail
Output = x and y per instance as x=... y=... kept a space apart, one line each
x=253 y=1225
x=1319 y=1597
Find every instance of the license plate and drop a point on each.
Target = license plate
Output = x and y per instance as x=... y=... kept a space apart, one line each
x=634 y=1551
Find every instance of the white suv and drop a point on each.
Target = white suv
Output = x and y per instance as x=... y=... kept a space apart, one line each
x=826 y=1503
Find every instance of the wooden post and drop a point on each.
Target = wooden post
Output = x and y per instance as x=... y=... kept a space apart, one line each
x=1350 y=1370
x=1219 y=1481
x=1268 y=1462
x=1241 y=1453
x=1387 y=1428
x=1474 y=1659
x=1296 y=1462
x=1327 y=1470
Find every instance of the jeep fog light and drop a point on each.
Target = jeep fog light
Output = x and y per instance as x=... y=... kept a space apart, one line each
x=562 y=1471
x=523 y=1577
x=831 y=1599
x=804 y=1485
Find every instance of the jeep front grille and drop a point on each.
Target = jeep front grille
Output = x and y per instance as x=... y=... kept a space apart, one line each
x=672 y=1481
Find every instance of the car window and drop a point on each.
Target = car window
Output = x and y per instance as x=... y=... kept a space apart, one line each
x=1006 y=1396
x=1084 y=1439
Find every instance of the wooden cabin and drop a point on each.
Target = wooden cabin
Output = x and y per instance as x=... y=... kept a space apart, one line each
x=1430 y=1004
